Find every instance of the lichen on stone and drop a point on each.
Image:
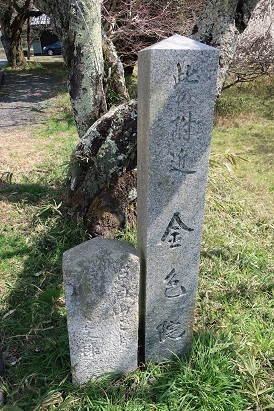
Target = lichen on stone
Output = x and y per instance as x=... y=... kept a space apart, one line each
x=101 y=173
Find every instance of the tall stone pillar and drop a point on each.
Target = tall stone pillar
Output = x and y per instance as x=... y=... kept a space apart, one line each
x=176 y=95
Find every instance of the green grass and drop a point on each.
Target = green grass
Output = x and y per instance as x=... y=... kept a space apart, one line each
x=231 y=363
x=248 y=98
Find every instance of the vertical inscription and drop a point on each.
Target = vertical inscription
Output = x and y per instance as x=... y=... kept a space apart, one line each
x=174 y=289
x=180 y=144
x=172 y=329
x=180 y=134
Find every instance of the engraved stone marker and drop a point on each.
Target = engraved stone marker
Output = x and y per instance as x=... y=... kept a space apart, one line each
x=176 y=95
x=101 y=278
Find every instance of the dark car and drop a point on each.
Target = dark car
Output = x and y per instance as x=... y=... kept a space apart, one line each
x=52 y=49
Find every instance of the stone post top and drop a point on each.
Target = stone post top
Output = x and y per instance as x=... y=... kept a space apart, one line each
x=97 y=244
x=178 y=42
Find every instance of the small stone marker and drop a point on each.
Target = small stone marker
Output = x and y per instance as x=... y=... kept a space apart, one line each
x=176 y=95
x=101 y=278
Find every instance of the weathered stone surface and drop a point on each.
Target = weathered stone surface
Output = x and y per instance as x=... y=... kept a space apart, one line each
x=106 y=153
x=176 y=95
x=101 y=278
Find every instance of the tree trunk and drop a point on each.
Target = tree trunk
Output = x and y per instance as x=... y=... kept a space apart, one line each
x=114 y=77
x=102 y=175
x=219 y=25
x=28 y=38
x=254 y=56
x=13 y=48
x=78 y=25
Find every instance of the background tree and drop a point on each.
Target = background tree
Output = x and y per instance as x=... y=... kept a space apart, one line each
x=13 y=14
x=254 y=56
x=134 y=24
x=220 y=25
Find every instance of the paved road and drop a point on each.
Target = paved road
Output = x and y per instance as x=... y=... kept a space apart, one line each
x=24 y=98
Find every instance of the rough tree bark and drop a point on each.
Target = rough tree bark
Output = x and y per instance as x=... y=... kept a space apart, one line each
x=102 y=176
x=13 y=14
x=114 y=72
x=12 y=44
x=219 y=25
x=78 y=25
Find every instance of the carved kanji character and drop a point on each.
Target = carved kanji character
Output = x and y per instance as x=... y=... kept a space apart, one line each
x=173 y=231
x=173 y=330
x=174 y=288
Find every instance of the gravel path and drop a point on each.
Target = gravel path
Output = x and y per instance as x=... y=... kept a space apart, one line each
x=24 y=98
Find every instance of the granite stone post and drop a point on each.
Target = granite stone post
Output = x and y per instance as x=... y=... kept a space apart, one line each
x=101 y=279
x=176 y=95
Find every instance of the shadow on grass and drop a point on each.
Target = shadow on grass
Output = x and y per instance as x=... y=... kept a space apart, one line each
x=61 y=122
x=41 y=377
x=33 y=328
x=25 y=193
x=262 y=145
x=35 y=340
x=35 y=84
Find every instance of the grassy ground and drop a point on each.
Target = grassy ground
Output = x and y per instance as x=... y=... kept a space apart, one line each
x=231 y=363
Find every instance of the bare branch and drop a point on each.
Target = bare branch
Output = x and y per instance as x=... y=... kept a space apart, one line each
x=134 y=24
